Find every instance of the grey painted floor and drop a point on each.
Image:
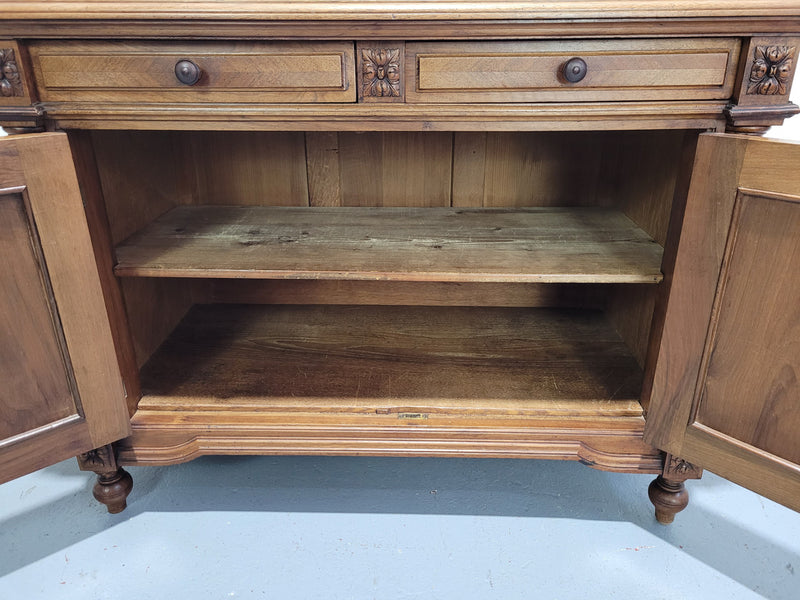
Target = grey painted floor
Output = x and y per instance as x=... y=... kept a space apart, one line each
x=351 y=528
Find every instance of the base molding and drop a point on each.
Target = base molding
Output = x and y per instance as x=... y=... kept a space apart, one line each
x=612 y=444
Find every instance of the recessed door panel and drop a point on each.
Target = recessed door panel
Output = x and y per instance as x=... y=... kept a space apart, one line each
x=37 y=387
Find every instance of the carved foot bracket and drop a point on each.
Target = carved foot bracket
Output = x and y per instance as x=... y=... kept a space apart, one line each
x=113 y=482
x=667 y=492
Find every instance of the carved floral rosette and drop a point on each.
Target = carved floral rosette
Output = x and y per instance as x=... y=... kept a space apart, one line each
x=771 y=70
x=380 y=72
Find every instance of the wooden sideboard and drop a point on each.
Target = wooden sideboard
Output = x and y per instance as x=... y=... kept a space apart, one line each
x=488 y=229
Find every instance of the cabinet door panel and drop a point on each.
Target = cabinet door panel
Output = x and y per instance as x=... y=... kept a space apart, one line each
x=755 y=339
x=37 y=389
x=62 y=393
x=725 y=392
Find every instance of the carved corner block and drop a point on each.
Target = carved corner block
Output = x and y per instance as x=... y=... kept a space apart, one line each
x=380 y=71
x=16 y=109
x=99 y=460
x=678 y=469
x=763 y=84
x=10 y=77
x=14 y=86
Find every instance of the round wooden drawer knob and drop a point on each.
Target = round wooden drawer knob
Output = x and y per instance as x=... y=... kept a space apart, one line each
x=575 y=69
x=187 y=72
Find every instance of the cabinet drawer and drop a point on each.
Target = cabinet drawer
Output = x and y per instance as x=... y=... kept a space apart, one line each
x=690 y=69
x=224 y=72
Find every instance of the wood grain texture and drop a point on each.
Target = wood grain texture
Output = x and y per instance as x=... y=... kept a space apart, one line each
x=609 y=443
x=684 y=168
x=57 y=208
x=41 y=164
x=563 y=116
x=532 y=71
x=149 y=327
x=85 y=161
x=361 y=358
x=142 y=176
x=395 y=169
x=43 y=447
x=489 y=245
x=38 y=388
x=230 y=168
x=748 y=466
x=403 y=293
x=230 y=72
x=633 y=171
x=643 y=174
x=392 y=29
x=452 y=10
x=630 y=310
x=693 y=285
x=736 y=374
x=323 y=168
x=756 y=330
x=356 y=379
x=648 y=176
x=529 y=169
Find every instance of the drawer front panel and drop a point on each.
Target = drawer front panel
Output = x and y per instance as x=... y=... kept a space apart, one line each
x=226 y=72
x=681 y=69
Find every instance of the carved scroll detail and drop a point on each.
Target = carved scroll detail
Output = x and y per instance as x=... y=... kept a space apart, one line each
x=380 y=72
x=771 y=70
x=10 y=79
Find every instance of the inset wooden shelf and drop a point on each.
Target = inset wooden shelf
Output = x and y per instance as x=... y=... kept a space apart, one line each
x=546 y=245
x=368 y=359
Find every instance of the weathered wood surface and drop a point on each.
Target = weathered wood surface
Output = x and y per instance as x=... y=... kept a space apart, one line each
x=359 y=358
x=399 y=244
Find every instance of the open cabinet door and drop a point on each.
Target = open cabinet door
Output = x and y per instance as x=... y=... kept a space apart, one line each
x=726 y=387
x=61 y=393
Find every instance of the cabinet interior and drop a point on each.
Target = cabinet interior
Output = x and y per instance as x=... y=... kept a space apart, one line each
x=215 y=323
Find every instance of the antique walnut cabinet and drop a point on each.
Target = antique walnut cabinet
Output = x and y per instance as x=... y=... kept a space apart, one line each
x=407 y=228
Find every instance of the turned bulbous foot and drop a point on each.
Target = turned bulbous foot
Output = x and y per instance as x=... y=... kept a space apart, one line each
x=669 y=498
x=112 y=489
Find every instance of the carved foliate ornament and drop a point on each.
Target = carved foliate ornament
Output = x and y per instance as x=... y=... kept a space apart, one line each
x=380 y=72
x=10 y=79
x=98 y=460
x=771 y=70
x=678 y=469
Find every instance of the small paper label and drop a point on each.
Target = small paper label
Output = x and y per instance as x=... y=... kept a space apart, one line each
x=412 y=416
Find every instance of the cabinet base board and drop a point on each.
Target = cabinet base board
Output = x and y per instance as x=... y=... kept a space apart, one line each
x=605 y=443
